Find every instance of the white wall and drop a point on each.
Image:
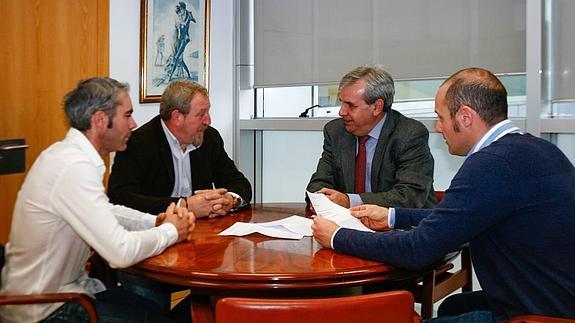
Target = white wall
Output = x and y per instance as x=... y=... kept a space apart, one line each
x=125 y=65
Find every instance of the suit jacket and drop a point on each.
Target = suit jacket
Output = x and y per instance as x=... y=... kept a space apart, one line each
x=402 y=166
x=143 y=175
x=513 y=202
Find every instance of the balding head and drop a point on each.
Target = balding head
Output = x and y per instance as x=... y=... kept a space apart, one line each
x=479 y=89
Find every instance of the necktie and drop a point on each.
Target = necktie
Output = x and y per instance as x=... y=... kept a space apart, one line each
x=360 y=161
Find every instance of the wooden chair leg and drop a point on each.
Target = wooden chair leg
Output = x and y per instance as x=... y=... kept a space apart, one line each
x=466 y=264
x=202 y=309
x=441 y=282
x=427 y=287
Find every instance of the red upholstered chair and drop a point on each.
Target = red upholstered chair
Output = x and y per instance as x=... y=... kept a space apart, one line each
x=388 y=307
x=539 y=319
x=81 y=299
x=442 y=282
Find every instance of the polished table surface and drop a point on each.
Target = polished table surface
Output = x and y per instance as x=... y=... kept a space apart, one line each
x=216 y=264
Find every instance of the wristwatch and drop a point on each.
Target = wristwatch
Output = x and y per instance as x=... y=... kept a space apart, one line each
x=236 y=202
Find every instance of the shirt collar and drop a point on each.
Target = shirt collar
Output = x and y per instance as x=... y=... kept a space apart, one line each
x=78 y=138
x=495 y=133
x=374 y=133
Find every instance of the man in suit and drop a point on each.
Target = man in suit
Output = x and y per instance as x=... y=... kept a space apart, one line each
x=177 y=154
x=398 y=163
x=512 y=200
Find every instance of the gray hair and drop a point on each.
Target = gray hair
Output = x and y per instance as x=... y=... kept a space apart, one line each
x=177 y=96
x=91 y=95
x=378 y=84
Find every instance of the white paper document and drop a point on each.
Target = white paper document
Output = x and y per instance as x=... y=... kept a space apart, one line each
x=324 y=207
x=297 y=227
x=294 y=227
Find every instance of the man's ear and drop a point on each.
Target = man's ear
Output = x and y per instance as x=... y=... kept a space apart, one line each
x=466 y=115
x=99 y=120
x=378 y=107
x=176 y=116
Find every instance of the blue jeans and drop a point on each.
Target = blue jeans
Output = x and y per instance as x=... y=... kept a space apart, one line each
x=469 y=317
x=463 y=303
x=70 y=312
x=113 y=306
x=465 y=307
x=158 y=292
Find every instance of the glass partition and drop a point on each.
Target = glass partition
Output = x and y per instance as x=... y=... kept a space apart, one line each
x=414 y=98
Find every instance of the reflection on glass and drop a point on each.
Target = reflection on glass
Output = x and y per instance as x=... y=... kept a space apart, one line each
x=563 y=109
x=413 y=98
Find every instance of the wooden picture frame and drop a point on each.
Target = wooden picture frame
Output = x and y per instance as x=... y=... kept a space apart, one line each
x=174 y=44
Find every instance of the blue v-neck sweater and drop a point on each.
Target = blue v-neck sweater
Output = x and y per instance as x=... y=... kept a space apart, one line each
x=514 y=202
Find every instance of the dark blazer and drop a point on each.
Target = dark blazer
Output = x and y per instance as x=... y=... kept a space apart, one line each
x=143 y=175
x=402 y=166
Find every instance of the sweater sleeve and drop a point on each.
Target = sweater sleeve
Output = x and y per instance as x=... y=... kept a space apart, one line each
x=466 y=211
x=405 y=219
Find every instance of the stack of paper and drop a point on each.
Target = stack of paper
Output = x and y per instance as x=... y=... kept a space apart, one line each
x=296 y=227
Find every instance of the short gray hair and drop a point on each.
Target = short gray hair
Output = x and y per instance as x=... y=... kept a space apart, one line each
x=378 y=84
x=178 y=95
x=91 y=95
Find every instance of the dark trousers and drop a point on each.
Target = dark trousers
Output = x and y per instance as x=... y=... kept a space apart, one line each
x=158 y=292
x=469 y=307
x=118 y=305
x=112 y=305
x=463 y=303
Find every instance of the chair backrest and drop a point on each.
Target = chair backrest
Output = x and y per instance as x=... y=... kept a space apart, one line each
x=82 y=299
x=1 y=257
x=388 y=307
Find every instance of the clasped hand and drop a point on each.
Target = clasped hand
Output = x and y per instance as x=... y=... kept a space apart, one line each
x=181 y=218
x=210 y=203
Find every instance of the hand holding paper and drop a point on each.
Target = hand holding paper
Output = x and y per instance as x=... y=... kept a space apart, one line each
x=296 y=227
x=338 y=214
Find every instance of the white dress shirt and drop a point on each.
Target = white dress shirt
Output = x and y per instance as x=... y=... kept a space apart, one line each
x=182 y=170
x=61 y=211
x=181 y=159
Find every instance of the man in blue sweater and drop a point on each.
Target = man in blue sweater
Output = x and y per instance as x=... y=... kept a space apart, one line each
x=513 y=200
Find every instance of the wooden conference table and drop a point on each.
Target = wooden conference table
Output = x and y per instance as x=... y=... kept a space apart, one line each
x=256 y=265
